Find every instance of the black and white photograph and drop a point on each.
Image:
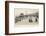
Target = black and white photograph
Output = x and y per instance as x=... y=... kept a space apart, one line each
x=25 y=17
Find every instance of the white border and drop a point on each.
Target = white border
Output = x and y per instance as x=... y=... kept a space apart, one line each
x=20 y=29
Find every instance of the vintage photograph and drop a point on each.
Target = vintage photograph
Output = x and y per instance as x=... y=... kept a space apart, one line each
x=26 y=17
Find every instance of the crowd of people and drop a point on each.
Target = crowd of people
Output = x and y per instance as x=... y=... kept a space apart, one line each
x=32 y=17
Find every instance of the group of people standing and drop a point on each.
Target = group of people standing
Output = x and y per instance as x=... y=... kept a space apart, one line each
x=32 y=18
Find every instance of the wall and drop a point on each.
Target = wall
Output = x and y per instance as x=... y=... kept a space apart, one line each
x=2 y=18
